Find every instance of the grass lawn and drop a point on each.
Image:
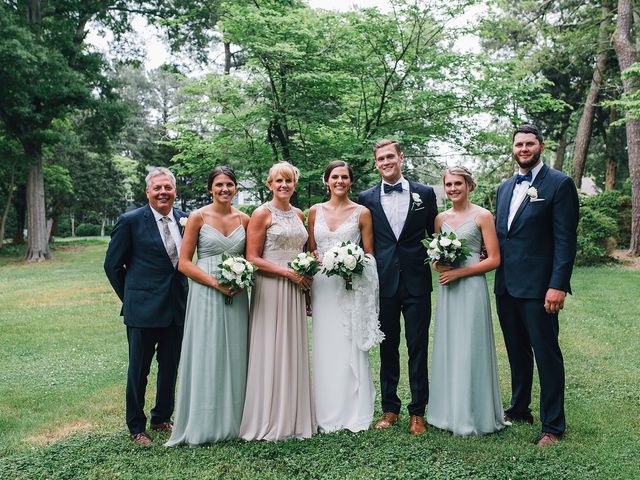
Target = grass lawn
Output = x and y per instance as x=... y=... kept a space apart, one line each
x=63 y=368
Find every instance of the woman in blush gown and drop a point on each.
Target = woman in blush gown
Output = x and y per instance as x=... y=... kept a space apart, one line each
x=345 y=323
x=465 y=394
x=213 y=363
x=278 y=399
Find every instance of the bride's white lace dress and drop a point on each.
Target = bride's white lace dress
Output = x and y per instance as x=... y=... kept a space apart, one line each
x=345 y=327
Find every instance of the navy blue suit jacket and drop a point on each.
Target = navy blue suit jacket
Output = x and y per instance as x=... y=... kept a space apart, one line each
x=539 y=249
x=152 y=291
x=403 y=257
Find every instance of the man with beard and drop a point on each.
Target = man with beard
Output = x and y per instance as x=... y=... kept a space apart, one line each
x=141 y=264
x=536 y=222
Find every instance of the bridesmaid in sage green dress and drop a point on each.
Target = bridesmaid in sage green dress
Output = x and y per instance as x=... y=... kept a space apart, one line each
x=213 y=363
x=465 y=395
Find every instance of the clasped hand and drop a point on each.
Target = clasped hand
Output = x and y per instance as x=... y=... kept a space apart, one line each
x=446 y=273
x=303 y=281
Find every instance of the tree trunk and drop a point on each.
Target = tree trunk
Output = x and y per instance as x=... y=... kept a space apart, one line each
x=227 y=58
x=7 y=207
x=610 y=159
x=20 y=205
x=72 y=221
x=561 y=151
x=585 y=127
x=104 y=221
x=627 y=54
x=37 y=241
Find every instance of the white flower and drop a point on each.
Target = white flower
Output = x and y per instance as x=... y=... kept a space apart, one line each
x=183 y=221
x=417 y=201
x=433 y=244
x=229 y=262
x=341 y=254
x=238 y=267
x=304 y=262
x=302 y=255
x=456 y=243
x=228 y=275
x=532 y=193
x=350 y=262
x=328 y=261
x=445 y=242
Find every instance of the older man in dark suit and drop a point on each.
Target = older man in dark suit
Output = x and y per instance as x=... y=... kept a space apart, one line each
x=536 y=221
x=403 y=214
x=141 y=264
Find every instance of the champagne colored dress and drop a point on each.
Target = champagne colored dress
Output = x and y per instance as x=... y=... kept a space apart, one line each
x=213 y=363
x=278 y=399
x=465 y=394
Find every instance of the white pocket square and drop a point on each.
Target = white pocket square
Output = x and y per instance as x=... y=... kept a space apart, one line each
x=537 y=200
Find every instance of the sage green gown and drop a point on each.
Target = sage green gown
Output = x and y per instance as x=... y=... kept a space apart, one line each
x=464 y=394
x=213 y=363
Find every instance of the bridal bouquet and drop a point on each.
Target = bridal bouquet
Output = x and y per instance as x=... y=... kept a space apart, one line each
x=345 y=260
x=305 y=263
x=446 y=248
x=235 y=273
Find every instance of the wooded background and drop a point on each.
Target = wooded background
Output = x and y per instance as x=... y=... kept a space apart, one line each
x=278 y=80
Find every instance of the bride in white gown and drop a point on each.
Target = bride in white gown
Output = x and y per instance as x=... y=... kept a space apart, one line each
x=345 y=322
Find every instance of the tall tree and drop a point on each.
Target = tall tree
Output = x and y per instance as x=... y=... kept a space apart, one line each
x=585 y=126
x=627 y=56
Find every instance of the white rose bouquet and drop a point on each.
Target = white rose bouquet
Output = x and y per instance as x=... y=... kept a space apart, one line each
x=235 y=273
x=345 y=259
x=305 y=263
x=446 y=248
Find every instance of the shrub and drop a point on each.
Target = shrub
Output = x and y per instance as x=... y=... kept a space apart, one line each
x=596 y=237
x=88 y=230
x=616 y=205
x=248 y=209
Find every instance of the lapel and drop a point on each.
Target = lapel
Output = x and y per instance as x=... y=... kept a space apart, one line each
x=504 y=205
x=154 y=232
x=410 y=212
x=536 y=183
x=176 y=218
x=378 y=211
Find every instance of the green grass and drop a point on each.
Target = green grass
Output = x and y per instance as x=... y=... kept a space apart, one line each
x=63 y=368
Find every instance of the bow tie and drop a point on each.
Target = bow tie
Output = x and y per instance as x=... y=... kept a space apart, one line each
x=390 y=188
x=523 y=178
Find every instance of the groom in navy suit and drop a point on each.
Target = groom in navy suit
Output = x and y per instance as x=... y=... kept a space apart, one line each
x=403 y=214
x=141 y=265
x=536 y=221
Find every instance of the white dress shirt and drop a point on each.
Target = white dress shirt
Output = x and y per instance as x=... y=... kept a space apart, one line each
x=396 y=206
x=520 y=192
x=173 y=228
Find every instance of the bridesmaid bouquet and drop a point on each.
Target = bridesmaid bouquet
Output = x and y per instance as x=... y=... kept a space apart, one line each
x=236 y=273
x=305 y=263
x=446 y=248
x=345 y=260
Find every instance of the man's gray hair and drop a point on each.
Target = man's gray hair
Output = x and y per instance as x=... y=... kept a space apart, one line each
x=156 y=171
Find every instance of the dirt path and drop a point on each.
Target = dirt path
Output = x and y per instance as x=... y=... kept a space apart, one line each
x=627 y=261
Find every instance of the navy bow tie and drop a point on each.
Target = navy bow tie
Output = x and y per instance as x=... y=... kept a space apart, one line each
x=390 y=188
x=523 y=178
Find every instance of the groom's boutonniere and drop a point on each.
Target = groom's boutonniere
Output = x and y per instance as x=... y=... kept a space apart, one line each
x=417 y=201
x=532 y=193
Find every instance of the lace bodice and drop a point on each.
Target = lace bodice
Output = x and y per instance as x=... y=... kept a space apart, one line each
x=348 y=230
x=286 y=232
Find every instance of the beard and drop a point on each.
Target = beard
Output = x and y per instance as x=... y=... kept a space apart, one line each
x=528 y=164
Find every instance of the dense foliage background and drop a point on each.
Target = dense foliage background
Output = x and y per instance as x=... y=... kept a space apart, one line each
x=255 y=82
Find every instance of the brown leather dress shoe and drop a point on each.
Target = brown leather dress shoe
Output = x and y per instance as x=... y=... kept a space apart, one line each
x=547 y=439
x=417 y=425
x=141 y=438
x=163 y=427
x=387 y=420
